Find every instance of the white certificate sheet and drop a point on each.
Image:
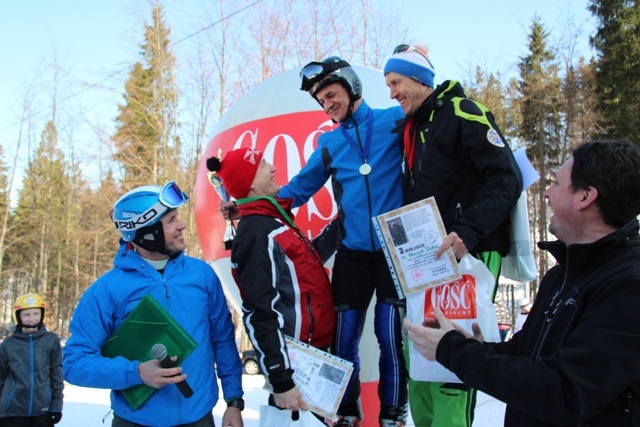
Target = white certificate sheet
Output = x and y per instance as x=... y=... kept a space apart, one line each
x=321 y=377
x=410 y=236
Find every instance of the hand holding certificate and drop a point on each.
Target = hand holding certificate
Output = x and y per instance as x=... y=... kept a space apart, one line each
x=410 y=236
x=321 y=377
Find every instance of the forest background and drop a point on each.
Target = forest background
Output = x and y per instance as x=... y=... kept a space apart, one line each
x=63 y=162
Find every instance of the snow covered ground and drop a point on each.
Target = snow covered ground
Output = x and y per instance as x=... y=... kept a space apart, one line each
x=88 y=407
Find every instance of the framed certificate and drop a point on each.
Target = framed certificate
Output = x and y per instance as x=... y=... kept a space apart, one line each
x=321 y=377
x=410 y=236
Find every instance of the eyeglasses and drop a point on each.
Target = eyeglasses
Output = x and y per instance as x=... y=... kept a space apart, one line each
x=313 y=71
x=405 y=48
x=170 y=197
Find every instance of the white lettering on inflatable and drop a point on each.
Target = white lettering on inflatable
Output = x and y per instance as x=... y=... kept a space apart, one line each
x=254 y=139
x=293 y=160
x=292 y=156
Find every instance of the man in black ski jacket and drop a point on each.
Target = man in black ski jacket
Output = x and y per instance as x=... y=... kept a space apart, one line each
x=575 y=361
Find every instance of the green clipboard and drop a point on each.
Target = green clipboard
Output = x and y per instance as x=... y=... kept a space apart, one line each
x=148 y=324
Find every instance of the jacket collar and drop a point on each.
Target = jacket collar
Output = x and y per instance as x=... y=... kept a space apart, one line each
x=266 y=207
x=128 y=259
x=358 y=116
x=594 y=253
x=17 y=332
x=448 y=89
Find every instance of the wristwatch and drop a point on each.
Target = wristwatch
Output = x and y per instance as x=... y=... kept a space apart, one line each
x=236 y=403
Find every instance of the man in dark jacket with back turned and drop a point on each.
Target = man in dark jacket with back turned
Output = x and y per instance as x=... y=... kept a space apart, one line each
x=575 y=361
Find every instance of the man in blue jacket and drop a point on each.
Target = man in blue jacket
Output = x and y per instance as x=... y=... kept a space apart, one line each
x=363 y=159
x=151 y=261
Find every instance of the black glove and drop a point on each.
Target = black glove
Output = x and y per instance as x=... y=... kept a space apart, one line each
x=54 y=418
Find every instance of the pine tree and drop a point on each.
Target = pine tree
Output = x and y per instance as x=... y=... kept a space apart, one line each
x=488 y=90
x=40 y=217
x=579 y=108
x=146 y=143
x=617 y=42
x=540 y=126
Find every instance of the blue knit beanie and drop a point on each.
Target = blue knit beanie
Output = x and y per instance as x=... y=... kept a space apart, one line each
x=413 y=65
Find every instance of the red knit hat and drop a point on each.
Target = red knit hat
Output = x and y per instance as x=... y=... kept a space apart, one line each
x=237 y=169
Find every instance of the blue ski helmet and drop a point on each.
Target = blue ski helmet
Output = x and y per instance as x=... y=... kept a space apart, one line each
x=137 y=214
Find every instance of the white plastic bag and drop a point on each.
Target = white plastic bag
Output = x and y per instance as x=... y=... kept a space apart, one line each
x=464 y=301
x=519 y=264
x=270 y=416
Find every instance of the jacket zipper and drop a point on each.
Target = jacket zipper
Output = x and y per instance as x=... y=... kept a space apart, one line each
x=551 y=311
x=166 y=288
x=168 y=297
x=312 y=320
x=33 y=373
x=366 y=183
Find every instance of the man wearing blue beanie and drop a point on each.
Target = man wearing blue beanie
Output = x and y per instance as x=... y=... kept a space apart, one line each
x=455 y=152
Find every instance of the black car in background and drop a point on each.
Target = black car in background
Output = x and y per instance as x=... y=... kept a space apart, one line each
x=250 y=362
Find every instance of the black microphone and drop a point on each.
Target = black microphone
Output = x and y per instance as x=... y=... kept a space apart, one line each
x=159 y=352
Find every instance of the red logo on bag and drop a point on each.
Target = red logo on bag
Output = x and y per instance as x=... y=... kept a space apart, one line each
x=456 y=300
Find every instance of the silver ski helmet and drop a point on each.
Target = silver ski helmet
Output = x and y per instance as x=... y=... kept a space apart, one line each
x=318 y=75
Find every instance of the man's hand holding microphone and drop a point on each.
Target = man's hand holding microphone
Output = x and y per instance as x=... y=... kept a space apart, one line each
x=161 y=370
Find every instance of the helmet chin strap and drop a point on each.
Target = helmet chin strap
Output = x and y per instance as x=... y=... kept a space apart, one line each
x=30 y=328
x=35 y=327
x=350 y=110
x=351 y=107
x=151 y=238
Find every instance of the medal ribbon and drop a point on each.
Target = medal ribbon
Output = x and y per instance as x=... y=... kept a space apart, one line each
x=274 y=202
x=367 y=143
x=409 y=143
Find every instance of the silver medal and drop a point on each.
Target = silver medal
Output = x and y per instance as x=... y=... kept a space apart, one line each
x=365 y=169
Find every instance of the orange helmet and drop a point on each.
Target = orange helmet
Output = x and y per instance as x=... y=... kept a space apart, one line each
x=27 y=301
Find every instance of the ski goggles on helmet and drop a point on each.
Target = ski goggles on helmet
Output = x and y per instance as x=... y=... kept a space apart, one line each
x=405 y=48
x=169 y=197
x=315 y=71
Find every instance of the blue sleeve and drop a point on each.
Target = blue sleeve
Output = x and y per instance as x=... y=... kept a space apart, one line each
x=309 y=180
x=91 y=326
x=229 y=366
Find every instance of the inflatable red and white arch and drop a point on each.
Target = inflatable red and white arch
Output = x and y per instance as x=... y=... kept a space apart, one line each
x=284 y=123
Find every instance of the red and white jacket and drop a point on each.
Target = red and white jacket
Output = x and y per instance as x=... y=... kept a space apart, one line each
x=284 y=286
